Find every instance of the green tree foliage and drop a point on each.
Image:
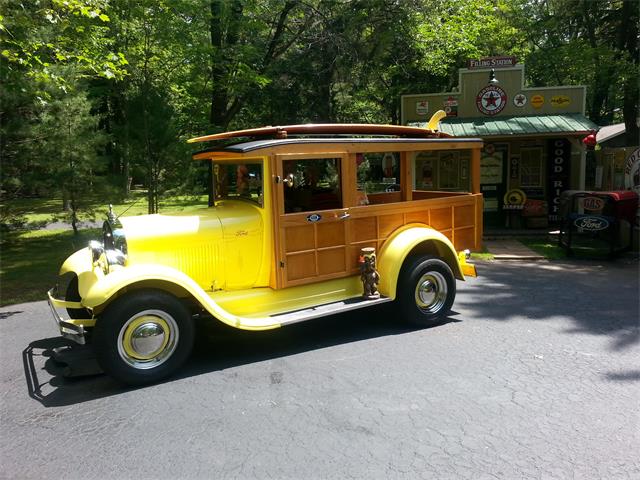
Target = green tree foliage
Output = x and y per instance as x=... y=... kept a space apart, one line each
x=39 y=35
x=49 y=49
x=145 y=75
x=247 y=38
x=586 y=43
x=68 y=139
x=160 y=42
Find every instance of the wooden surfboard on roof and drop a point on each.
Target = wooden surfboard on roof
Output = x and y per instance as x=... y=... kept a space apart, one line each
x=326 y=129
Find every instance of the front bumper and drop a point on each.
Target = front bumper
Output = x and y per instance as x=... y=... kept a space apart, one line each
x=69 y=328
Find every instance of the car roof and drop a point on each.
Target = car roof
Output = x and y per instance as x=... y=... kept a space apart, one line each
x=263 y=144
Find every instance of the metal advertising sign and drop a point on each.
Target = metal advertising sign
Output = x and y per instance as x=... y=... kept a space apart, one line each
x=592 y=203
x=632 y=171
x=514 y=167
x=560 y=101
x=451 y=106
x=558 y=168
x=520 y=100
x=591 y=223
x=422 y=108
x=537 y=101
x=491 y=100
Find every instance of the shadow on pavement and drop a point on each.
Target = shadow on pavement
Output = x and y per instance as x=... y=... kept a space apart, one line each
x=600 y=298
x=217 y=347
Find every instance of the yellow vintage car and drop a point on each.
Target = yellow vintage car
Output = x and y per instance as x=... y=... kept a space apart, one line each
x=298 y=211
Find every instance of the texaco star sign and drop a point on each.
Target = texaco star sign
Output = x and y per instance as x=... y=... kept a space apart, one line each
x=491 y=100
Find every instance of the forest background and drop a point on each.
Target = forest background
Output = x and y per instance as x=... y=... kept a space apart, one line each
x=99 y=96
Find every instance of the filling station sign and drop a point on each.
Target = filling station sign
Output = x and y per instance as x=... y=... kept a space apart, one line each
x=492 y=62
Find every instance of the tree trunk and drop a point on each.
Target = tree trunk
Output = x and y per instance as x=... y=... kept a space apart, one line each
x=628 y=42
x=74 y=214
x=66 y=206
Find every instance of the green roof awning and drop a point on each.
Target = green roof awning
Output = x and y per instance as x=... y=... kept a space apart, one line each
x=565 y=124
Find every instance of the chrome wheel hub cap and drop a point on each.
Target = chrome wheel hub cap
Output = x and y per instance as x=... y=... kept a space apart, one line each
x=431 y=292
x=148 y=339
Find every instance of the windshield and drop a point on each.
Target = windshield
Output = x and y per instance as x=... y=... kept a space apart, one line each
x=238 y=180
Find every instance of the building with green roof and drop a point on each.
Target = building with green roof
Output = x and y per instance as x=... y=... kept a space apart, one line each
x=533 y=140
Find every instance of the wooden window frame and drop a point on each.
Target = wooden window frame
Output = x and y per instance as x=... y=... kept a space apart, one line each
x=528 y=151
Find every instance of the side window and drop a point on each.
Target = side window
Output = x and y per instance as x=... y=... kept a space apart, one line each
x=450 y=171
x=378 y=172
x=442 y=171
x=312 y=184
x=425 y=172
x=238 y=180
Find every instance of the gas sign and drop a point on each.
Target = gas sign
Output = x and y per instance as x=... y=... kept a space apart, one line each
x=592 y=203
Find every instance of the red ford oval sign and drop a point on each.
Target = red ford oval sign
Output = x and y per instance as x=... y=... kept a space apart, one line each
x=591 y=223
x=592 y=203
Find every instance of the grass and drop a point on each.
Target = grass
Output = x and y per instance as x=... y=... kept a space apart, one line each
x=545 y=246
x=484 y=255
x=31 y=260
x=38 y=211
x=581 y=246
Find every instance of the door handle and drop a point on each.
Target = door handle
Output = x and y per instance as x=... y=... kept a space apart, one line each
x=289 y=180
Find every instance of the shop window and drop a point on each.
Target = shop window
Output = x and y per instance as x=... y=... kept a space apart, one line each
x=425 y=170
x=312 y=184
x=531 y=167
x=449 y=174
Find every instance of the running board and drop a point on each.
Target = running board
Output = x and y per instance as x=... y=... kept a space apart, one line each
x=296 y=316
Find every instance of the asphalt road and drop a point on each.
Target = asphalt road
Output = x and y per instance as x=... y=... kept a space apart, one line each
x=536 y=375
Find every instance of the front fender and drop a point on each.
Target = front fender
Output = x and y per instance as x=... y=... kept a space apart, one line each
x=81 y=264
x=109 y=286
x=396 y=249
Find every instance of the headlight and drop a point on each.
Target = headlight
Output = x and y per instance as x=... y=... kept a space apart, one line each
x=97 y=249
x=116 y=257
x=112 y=251
x=119 y=241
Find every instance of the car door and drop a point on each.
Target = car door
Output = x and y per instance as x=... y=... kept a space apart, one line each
x=312 y=230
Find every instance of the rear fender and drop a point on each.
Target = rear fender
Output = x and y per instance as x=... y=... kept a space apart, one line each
x=410 y=240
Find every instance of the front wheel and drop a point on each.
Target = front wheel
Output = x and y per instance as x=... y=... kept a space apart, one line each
x=426 y=290
x=143 y=337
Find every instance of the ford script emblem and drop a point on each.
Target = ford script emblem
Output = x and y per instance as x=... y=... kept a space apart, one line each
x=314 y=217
x=591 y=223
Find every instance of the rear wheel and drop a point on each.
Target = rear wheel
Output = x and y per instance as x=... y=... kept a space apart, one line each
x=143 y=337
x=426 y=290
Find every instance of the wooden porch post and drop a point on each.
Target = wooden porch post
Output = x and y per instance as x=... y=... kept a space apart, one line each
x=475 y=170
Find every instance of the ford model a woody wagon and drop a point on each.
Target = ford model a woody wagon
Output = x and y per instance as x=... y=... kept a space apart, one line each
x=282 y=244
